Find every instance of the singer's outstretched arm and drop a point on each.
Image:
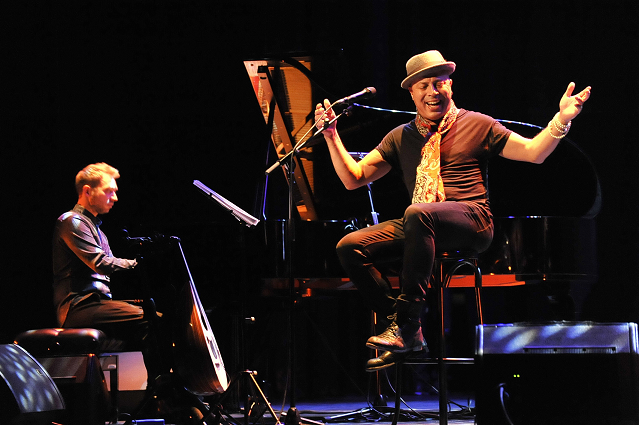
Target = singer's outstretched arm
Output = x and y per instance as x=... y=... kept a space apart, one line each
x=538 y=148
x=352 y=173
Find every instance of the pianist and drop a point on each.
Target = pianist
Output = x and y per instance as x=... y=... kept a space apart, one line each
x=83 y=263
x=442 y=155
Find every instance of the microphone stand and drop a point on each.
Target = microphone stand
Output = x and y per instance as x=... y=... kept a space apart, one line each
x=293 y=416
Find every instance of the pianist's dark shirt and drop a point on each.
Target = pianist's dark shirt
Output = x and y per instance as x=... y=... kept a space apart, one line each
x=82 y=260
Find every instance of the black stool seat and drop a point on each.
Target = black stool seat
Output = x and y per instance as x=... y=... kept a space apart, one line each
x=59 y=342
x=465 y=254
x=458 y=259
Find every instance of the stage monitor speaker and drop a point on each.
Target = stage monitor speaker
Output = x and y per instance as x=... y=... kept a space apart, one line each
x=557 y=373
x=28 y=394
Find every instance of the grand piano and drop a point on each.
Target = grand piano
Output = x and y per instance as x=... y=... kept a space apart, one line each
x=544 y=214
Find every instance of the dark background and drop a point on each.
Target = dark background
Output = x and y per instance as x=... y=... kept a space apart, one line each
x=158 y=90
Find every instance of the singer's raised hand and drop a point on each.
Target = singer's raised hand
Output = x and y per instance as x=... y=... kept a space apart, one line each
x=323 y=114
x=570 y=106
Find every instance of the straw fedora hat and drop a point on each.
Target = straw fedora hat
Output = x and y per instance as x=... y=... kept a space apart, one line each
x=424 y=65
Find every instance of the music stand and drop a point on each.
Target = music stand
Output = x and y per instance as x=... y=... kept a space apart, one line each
x=249 y=376
x=242 y=216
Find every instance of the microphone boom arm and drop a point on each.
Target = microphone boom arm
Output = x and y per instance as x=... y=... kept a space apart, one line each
x=299 y=145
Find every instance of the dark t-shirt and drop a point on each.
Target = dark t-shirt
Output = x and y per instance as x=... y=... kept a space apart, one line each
x=464 y=150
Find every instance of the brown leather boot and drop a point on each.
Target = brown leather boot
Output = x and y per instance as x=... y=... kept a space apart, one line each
x=384 y=360
x=404 y=333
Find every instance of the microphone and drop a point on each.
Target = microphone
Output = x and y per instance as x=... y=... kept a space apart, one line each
x=368 y=92
x=141 y=240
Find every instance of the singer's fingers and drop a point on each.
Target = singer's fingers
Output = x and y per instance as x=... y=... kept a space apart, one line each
x=569 y=89
x=326 y=107
x=585 y=94
x=578 y=99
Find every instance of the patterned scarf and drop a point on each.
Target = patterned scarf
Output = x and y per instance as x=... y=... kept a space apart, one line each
x=429 y=186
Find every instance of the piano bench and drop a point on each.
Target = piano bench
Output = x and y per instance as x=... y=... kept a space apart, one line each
x=59 y=341
x=447 y=264
x=70 y=356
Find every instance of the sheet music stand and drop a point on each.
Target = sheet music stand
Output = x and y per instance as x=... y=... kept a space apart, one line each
x=249 y=376
x=242 y=216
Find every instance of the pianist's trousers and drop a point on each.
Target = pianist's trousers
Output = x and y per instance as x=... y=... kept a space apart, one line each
x=368 y=254
x=125 y=322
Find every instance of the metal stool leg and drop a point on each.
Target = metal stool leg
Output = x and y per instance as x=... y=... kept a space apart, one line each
x=441 y=347
x=478 y=287
x=398 y=392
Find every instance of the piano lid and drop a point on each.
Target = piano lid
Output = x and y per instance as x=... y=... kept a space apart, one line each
x=284 y=92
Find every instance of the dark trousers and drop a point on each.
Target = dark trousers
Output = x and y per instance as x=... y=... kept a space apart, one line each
x=123 y=322
x=409 y=244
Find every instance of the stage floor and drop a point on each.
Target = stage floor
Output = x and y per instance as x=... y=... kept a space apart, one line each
x=348 y=410
x=422 y=409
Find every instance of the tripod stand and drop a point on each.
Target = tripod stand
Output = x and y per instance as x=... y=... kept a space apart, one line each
x=255 y=404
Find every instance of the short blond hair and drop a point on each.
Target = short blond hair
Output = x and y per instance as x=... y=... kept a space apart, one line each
x=93 y=174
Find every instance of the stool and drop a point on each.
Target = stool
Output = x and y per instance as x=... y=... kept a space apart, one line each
x=70 y=356
x=447 y=263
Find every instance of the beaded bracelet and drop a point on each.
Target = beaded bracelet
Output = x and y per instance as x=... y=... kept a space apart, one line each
x=557 y=125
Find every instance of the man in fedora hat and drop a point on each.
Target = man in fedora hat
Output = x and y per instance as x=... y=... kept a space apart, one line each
x=442 y=155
